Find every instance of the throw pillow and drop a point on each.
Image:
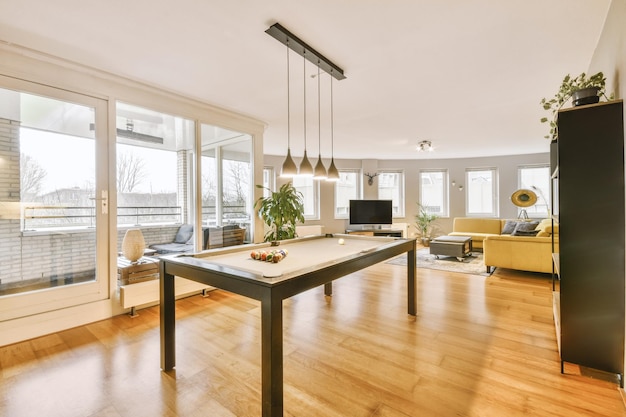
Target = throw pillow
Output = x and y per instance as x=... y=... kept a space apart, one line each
x=525 y=233
x=184 y=233
x=509 y=227
x=524 y=227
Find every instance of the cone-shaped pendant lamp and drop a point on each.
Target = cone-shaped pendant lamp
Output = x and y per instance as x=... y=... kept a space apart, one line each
x=320 y=169
x=289 y=168
x=306 y=169
x=333 y=172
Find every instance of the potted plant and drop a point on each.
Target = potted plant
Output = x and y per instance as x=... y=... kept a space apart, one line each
x=281 y=210
x=423 y=223
x=581 y=90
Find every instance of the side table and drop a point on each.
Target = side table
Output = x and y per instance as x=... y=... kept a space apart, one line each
x=128 y=273
x=457 y=246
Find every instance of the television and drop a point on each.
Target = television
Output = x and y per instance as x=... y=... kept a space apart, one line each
x=371 y=212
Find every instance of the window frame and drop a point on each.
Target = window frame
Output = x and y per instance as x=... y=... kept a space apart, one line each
x=401 y=189
x=542 y=195
x=359 y=192
x=315 y=187
x=445 y=203
x=269 y=180
x=494 y=192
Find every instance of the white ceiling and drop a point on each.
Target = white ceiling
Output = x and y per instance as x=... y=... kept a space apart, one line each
x=467 y=75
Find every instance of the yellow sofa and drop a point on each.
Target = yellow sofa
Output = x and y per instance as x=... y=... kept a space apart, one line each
x=477 y=228
x=526 y=253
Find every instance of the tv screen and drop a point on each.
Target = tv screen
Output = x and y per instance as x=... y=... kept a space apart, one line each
x=370 y=212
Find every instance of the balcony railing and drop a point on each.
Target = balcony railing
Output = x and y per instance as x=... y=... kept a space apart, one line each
x=51 y=217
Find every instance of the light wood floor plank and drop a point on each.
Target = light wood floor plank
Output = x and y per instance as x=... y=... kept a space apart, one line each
x=479 y=346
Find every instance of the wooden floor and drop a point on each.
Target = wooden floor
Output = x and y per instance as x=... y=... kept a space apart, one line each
x=480 y=346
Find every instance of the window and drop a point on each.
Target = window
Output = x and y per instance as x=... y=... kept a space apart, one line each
x=434 y=191
x=391 y=187
x=347 y=188
x=226 y=183
x=536 y=178
x=269 y=182
x=482 y=192
x=310 y=192
x=151 y=166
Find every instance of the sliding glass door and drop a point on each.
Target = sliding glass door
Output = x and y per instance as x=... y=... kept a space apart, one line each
x=53 y=199
x=155 y=179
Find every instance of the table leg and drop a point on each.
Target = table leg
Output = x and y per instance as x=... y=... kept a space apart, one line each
x=411 y=284
x=168 y=320
x=328 y=288
x=272 y=357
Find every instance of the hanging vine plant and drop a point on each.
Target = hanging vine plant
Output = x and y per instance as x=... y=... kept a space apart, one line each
x=581 y=90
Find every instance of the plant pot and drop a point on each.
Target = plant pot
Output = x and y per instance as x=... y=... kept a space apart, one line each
x=426 y=242
x=585 y=96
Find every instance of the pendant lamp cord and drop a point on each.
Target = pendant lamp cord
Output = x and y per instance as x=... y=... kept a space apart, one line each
x=332 y=128
x=304 y=89
x=319 y=114
x=288 y=103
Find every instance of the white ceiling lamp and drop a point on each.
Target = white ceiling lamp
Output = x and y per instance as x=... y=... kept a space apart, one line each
x=320 y=170
x=289 y=168
x=425 y=146
x=333 y=172
x=306 y=169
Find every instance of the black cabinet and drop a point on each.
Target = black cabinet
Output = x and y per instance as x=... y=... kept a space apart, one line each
x=591 y=211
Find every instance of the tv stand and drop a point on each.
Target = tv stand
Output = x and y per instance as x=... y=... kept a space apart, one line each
x=375 y=232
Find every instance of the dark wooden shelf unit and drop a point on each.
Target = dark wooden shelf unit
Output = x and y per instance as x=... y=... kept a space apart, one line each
x=589 y=188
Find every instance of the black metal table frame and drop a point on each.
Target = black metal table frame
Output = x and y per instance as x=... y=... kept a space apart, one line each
x=271 y=296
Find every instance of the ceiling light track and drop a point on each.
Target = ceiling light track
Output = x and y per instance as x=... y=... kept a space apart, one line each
x=278 y=32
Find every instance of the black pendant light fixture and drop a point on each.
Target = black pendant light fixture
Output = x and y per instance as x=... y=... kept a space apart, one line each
x=289 y=168
x=320 y=170
x=294 y=43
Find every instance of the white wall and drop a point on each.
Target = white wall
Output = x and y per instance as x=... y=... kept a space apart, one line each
x=506 y=166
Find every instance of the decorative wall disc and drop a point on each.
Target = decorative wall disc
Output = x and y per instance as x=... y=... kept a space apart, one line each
x=524 y=198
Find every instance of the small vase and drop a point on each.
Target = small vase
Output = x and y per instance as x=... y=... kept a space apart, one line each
x=133 y=245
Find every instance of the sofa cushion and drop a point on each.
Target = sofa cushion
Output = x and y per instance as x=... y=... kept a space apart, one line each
x=477 y=224
x=545 y=228
x=524 y=226
x=525 y=232
x=509 y=227
x=552 y=229
x=165 y=248
x=526 y=253
x=184 y=234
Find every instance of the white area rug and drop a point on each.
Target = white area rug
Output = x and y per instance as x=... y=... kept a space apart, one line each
x=472 y=264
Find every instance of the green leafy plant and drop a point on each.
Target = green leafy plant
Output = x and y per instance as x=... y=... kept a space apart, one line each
x=281 y=210
x=568 y=87
x=424 y=221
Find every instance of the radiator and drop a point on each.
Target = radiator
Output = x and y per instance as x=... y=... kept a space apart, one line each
x=147 y=292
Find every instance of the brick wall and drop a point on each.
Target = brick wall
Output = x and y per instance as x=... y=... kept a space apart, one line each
x=10 y=242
